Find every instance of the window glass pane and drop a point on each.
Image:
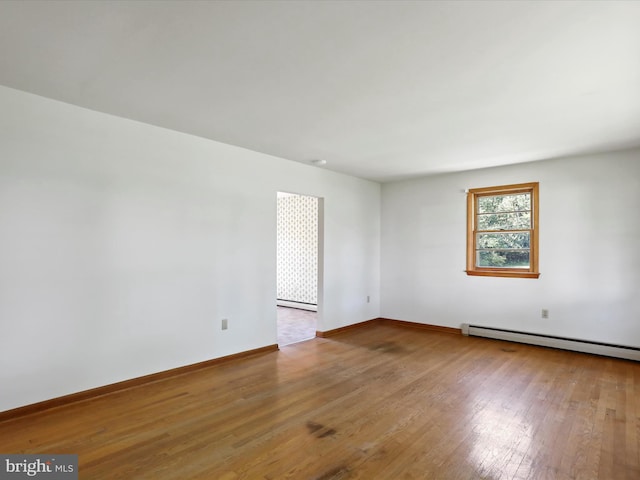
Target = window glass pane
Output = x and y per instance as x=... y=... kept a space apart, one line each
x=519 y=240
x=504 y=221
x=504 y=203
x=502 y=258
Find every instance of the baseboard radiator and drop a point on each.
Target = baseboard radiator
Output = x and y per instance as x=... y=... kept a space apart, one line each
x=299 y=305
x=597 y=348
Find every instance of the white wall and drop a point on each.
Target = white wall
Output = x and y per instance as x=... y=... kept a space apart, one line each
x=122 y=245
x=589 y=251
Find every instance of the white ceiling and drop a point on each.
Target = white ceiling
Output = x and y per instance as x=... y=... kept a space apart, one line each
x=379 y=89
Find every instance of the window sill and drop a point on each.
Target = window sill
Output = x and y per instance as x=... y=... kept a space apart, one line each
x=503 y=273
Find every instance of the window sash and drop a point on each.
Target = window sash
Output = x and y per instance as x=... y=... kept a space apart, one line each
x=505 y=223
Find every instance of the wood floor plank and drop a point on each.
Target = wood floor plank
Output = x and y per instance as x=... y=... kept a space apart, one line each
x=379 y=402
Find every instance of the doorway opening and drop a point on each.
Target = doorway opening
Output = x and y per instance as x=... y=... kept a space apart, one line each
x=299 y=247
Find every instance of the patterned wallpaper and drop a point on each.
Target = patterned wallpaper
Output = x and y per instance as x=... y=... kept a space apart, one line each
x=298 y=248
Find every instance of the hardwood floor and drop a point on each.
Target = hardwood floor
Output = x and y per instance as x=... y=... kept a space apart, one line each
x=381 y=402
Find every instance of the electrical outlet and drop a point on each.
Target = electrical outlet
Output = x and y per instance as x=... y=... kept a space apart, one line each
x=545 y=313
x=225 y=324
x=368 y=299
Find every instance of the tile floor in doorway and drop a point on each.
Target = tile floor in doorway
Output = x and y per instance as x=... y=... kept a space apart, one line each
x=295 y=325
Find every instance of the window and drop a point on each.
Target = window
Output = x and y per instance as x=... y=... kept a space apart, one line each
x=502 y=231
